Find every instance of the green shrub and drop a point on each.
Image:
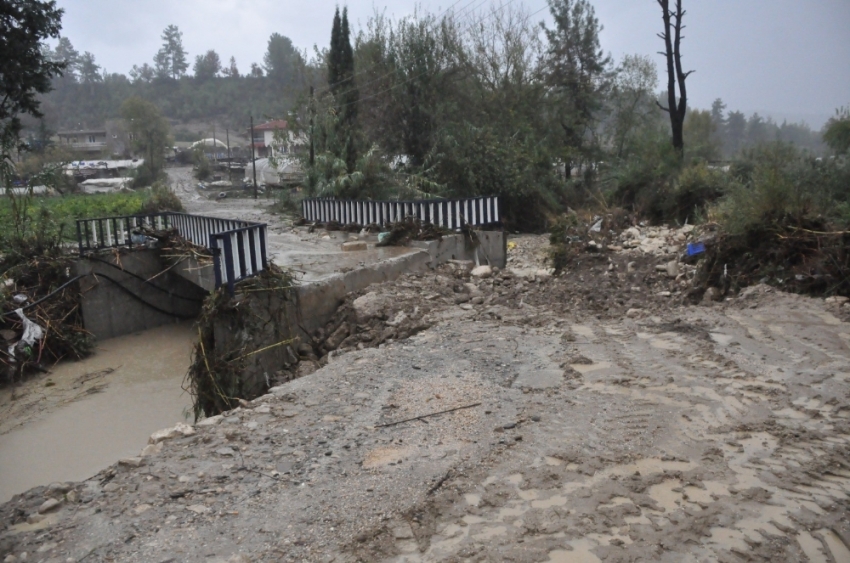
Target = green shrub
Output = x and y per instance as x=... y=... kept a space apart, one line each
x=203 y=169
x=162 y=198
x=288 y=202
x=696 y=187
x=777 y=184
x=644 y=182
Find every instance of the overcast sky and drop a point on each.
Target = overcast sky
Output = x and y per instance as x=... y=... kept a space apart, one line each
x=785 y=58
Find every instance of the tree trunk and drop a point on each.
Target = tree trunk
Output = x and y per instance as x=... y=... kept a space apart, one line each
x=672 y=37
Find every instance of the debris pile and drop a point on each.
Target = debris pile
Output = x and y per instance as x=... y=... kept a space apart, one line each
x=409 y=229
x=230 y=342
x=611 y=284
x=41 y=296
x=808 y=258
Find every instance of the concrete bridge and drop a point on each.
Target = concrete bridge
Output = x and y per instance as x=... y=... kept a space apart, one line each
x=144 y=288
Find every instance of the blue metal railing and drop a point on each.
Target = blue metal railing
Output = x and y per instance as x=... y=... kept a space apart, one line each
x=448 y=213
x=238 y=247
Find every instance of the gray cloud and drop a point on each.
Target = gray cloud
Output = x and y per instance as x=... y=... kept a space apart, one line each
x=780 y=57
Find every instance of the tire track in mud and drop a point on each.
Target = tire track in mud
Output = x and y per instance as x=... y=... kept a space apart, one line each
x=696 y=449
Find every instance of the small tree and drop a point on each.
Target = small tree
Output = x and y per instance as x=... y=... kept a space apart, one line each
x=170 y=60
x=344 y=90
x=149 y=131
x=632 y=101
x=232 y=70
x=837 y=131
x=282 y=60
x=576 y=72
x=66 y=53
x=672 y=36
x=207 y=66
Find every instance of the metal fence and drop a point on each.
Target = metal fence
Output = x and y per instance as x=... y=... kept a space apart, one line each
x=448 y=213
x=238 y=247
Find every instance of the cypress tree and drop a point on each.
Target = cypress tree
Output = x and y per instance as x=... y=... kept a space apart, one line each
x=350 y=96
x=335 y=55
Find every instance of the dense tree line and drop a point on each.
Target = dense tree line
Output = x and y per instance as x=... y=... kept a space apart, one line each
x=496 y=102
x=86 y=95
x=448 y=104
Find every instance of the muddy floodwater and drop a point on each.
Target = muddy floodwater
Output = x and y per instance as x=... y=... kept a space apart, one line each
x=84 y=416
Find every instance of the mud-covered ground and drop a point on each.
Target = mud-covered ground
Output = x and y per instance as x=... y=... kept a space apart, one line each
x=694 y=433
x=594 y=416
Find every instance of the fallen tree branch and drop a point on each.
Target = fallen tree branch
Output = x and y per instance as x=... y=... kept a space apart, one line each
x=426 y=415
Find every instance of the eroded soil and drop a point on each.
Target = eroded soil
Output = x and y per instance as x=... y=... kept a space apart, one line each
x=697 y=434
x=598 y=418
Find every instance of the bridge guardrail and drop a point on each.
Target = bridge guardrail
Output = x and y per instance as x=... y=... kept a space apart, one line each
x=238 y=247
x=448 y=213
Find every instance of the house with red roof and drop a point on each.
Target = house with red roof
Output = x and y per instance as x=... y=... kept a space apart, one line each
x=274 y=138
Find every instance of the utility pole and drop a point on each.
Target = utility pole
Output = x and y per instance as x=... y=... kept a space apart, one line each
x=312 y=110
x=253 y=159
x=229 y=161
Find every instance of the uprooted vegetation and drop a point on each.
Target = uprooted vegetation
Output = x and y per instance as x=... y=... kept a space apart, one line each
x=784 y=222
x=775 y=216
x=244 y=342
x=45 y=291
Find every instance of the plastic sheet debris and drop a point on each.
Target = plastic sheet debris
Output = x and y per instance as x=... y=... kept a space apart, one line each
x=32 y=334
x=695 y=248
x=19 y=299
x=138 y=238
x=383 y=236
x=597 y=226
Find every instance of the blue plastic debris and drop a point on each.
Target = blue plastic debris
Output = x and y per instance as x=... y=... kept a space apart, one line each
x=695 y=248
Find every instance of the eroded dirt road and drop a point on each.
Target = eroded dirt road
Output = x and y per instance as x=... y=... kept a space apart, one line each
x=697 y=434
x=598 y=419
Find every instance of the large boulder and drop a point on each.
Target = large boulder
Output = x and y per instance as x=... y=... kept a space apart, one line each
x=370 y=306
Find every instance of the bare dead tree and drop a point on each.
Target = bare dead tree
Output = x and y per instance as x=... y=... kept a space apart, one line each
x=672 y=37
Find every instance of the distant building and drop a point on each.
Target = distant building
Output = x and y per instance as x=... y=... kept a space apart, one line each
x=112 y=140
x=274 y=138
x=84 y=141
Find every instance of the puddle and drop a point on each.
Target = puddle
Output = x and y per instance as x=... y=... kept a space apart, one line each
x=472 y=499
x=588 y=368
x=490 y=533
x=581 y=553
x=71 y=441
x=585 y=331
x=664 y=495
x=729 y=539
x=662 y=344
x=550 y=502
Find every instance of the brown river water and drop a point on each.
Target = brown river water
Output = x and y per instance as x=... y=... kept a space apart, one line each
x=83 y=416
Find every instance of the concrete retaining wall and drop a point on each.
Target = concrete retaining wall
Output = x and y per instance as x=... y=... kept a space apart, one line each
x=117 y=299
x=491 y=248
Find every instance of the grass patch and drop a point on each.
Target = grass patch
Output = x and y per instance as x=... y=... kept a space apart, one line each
x=56 y=216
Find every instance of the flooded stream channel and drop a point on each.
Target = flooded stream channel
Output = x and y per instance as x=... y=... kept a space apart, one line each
x=84 y=416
